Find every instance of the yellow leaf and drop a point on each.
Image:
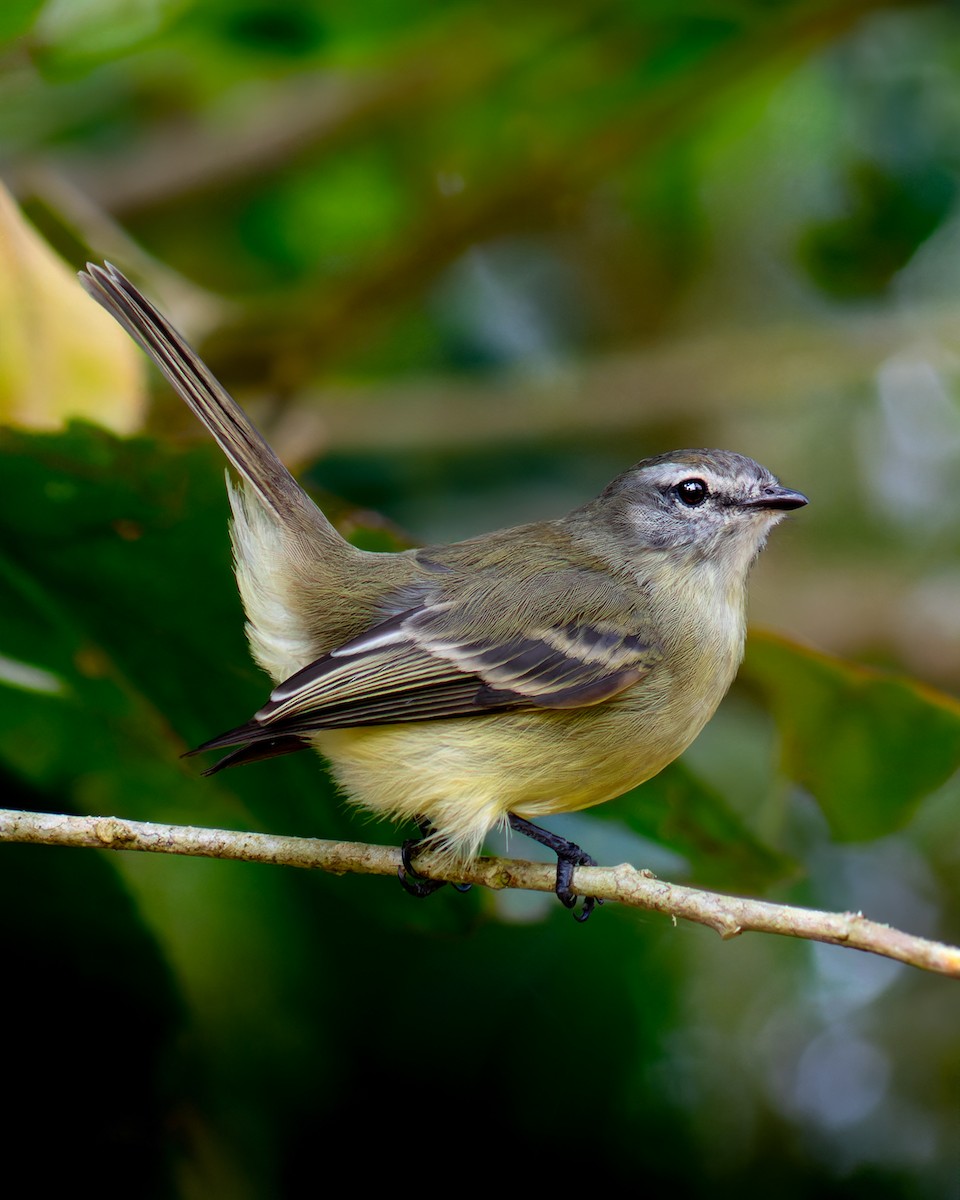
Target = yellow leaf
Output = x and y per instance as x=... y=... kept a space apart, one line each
x=60 y=355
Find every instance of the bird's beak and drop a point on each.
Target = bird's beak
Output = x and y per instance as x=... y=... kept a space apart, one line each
x=777 y=498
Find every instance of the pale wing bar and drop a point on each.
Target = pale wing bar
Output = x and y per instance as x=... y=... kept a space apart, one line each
x=388 y=676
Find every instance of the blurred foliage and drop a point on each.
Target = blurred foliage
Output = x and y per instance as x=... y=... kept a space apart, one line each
x=464 y=262
x=849 y=732
x=84 y=368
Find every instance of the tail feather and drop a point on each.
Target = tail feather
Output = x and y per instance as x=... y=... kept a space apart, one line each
x=239 y=439
x=257 y=752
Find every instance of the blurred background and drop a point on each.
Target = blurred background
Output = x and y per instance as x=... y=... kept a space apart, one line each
x=464 y=262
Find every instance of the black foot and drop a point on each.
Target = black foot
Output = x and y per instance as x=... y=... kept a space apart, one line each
x=569 y=855
x=413 y=883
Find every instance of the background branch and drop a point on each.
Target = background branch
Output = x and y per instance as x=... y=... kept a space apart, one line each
x=728 y=915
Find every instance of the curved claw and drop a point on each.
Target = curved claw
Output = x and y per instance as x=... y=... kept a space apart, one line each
x=569 y=855
x=565 y=893
x=414 y=884
x=563 y=888
x=406 y=855
x=421 y=888
x=588 y=906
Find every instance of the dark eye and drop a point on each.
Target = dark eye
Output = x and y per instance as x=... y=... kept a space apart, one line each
x=692 y=492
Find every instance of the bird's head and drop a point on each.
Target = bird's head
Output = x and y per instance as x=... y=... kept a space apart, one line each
x=706 y=505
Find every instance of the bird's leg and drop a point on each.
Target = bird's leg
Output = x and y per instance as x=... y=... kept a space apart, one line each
x=569 y=855
x=416 y=885
x=419 y=885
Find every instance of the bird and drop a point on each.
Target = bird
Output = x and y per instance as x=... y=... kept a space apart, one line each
x=490 y=682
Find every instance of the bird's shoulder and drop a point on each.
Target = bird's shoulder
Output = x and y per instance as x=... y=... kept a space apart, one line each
x=532 y=576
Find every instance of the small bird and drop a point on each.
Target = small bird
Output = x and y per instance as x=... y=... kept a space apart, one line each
x=535 y=670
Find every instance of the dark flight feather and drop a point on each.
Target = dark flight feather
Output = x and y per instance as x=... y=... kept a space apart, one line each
x=420 y=666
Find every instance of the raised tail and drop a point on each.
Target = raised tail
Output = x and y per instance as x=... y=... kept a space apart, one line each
x=239 y=439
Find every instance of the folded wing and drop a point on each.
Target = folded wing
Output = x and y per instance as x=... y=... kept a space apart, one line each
x=431 y=662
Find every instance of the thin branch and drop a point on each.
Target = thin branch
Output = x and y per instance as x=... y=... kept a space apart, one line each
x=728 y=915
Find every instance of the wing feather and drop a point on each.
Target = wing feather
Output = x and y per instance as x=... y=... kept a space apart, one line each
x=428 y=663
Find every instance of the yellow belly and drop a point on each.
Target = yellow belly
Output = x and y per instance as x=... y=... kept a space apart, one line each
x=466 y=775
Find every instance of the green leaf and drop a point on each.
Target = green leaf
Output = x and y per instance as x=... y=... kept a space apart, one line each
x=680 y=810
x=869 y=746
x=16 y=17
x=73 y=38
x=119 y=598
